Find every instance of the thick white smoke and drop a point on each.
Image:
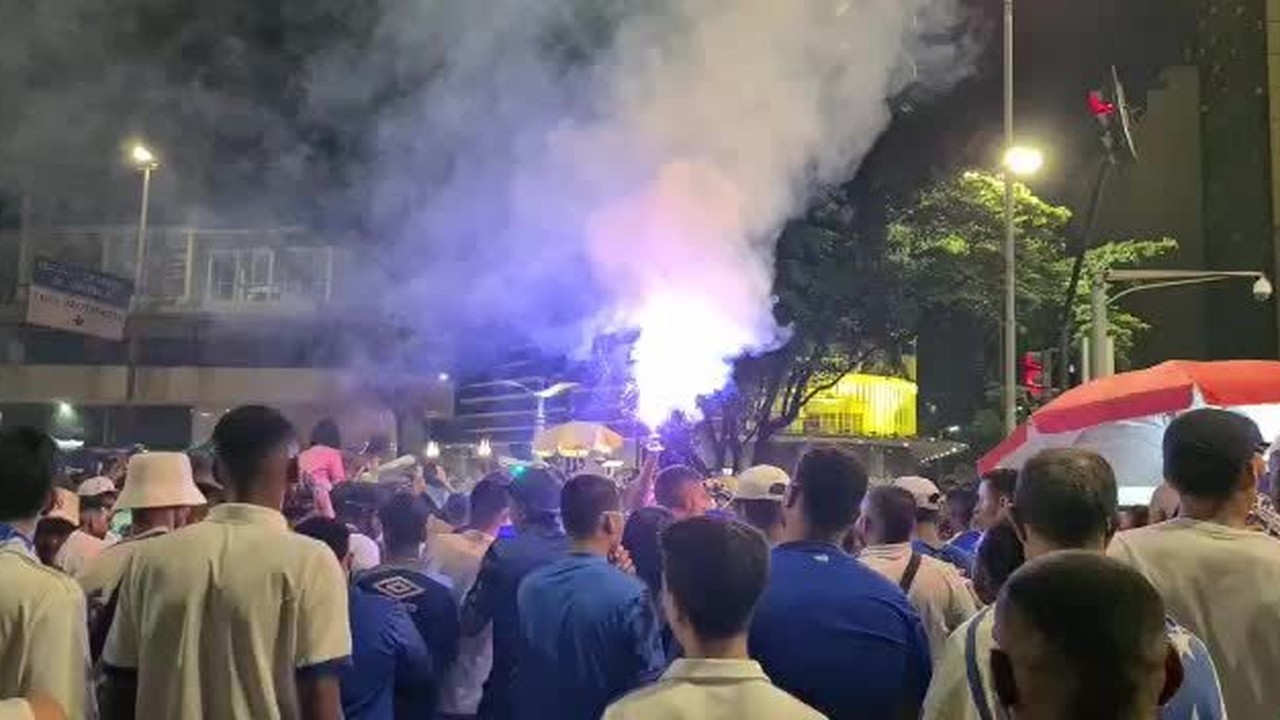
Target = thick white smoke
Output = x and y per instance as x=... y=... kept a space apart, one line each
x=651 y=170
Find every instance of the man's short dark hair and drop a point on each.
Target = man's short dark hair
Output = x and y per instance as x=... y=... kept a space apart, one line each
x=640 y=538
x=893 y=511
x=584 y=501
x=999 y=554
x=759 y=514
x=715 y=571
x=404 y=521
x=1102 y=621
x=670 y=484
x=27 y=467
x=1206 y=450
x=1068 y=495
x=489 y=499
x=328 y=531
x=1003 y=480
x=247 y=435
x=961 y=503
x=831 y=483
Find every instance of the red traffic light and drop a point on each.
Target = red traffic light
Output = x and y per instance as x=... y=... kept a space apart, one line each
x=1099 y=106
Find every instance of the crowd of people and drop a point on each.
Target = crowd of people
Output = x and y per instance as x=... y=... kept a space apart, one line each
x=263 y=582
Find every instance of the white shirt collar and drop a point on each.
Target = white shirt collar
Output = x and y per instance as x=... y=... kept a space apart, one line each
x=887 y=552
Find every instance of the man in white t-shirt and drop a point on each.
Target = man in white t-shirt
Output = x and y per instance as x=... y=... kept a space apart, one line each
x=234 y=616
x=1219 y=579
x=457 y=557
x=43 y=644
x=935 y=588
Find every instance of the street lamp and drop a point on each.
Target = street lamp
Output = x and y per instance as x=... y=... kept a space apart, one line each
x=1010 y=398
x=540 y=413
x=1101 y=355
x=145 y=160
x=1023 y=161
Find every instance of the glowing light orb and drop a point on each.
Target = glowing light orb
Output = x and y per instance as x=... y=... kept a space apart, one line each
x=686 y=349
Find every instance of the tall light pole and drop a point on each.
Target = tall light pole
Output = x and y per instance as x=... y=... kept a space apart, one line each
x=1101 y=358
x=146 y=161
x=1017 y=161
x=1009 y=395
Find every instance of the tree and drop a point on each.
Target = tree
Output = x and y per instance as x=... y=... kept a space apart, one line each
x=947 y=249
x=836 y=299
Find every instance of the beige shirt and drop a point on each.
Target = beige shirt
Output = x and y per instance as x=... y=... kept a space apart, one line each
x=44 y=644
x=77 y=551
x=218 y=618
x=101 y=574
x=704 y=689
x=1222 y=584
x=942 y=597
x=16 y=709
x=950 y=696
x=457 y=556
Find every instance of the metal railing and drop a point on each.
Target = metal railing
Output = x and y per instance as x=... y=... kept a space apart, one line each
x=190 y=269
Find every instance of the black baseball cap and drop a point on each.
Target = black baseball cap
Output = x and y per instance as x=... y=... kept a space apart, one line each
x=1205 y=450
x=537 y=489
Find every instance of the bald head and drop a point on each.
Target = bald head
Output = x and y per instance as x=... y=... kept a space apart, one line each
x=1080 y=636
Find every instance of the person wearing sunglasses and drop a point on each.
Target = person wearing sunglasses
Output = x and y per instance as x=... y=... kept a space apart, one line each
x=588 y=628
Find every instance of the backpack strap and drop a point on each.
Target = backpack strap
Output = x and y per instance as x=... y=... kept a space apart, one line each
x=977 y=690
x=909 y=575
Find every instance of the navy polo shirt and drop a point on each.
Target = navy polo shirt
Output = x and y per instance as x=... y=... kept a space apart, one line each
x=590 y=635
x=493 y=598
x=387 y=655
x=962 y=560
x=839 y=636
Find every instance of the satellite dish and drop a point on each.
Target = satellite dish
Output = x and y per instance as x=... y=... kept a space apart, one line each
x=1124 y=116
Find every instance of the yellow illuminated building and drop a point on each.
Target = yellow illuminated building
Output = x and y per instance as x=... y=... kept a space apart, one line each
x=865 y=406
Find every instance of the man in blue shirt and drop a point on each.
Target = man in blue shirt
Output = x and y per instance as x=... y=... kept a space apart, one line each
x=926 y=539
x=589 y=630
x=959 y=505
x=829 y=630
x=387 y=653
x=539 y=540
x=403 y=578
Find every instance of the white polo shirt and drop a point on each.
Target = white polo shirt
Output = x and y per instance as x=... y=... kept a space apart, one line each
x=218 y=618
x=702 y=689
x=44 y=644
x=943 y=598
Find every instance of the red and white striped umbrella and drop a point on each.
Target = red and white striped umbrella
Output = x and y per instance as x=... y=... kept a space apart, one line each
x=1123 y=417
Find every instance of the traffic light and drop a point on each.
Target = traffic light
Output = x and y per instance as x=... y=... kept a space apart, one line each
x=1111 y=109
x=1037 y=372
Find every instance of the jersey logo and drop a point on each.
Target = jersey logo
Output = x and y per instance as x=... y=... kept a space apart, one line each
x=398 y=587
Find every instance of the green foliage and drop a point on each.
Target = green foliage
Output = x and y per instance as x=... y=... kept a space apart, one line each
x=947 y=248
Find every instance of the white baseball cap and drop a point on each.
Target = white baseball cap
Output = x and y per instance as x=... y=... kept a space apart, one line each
x=762 y=482
x=96 y=486
x=159 y=479
x=927 y=495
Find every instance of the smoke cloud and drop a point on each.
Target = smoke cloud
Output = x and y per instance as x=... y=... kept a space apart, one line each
x=581 y=169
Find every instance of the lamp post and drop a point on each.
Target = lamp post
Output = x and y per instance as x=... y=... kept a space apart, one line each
x=541 y=396
x=146 y=161
x=1017 y=161
x=1101 y=356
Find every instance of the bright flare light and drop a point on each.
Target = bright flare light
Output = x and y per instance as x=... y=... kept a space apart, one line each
x=142 y=156
x=686 y=349
x=1023 y=161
